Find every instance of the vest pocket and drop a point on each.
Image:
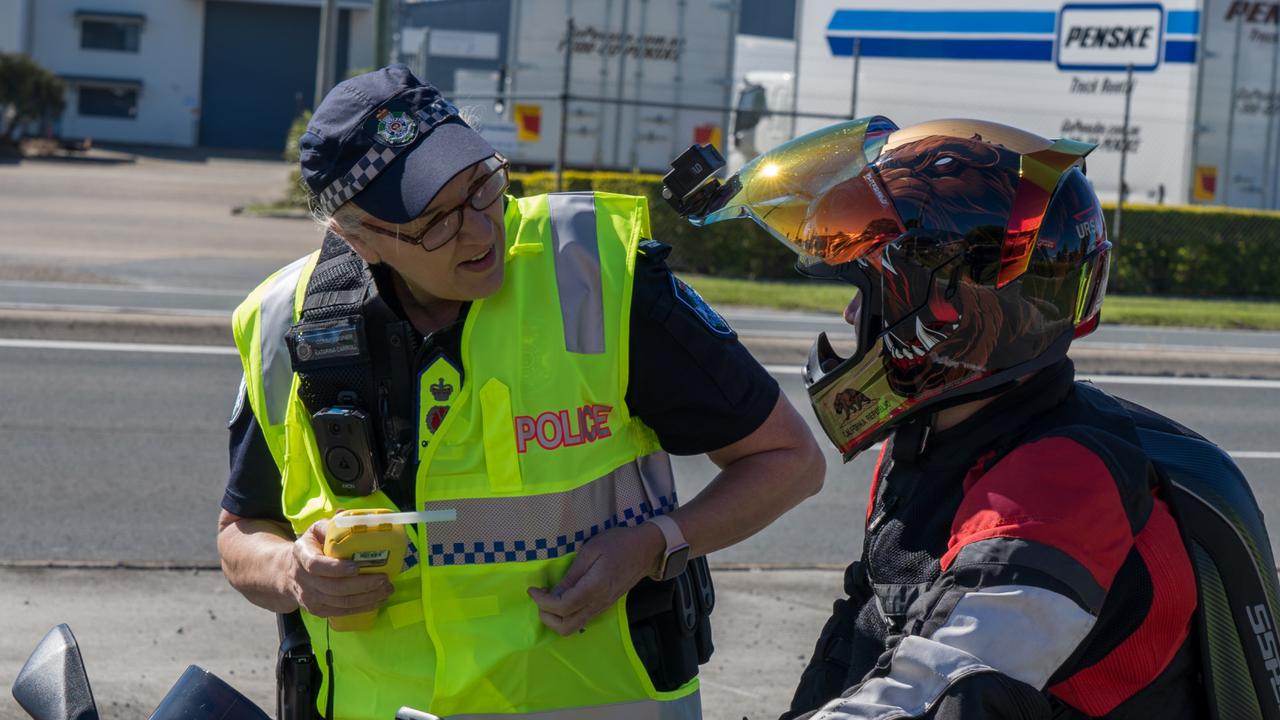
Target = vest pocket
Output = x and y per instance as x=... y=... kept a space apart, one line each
x=498 y=657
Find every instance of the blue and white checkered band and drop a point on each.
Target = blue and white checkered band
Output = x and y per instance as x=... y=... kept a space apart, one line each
x=505 y=528
x=379 y=157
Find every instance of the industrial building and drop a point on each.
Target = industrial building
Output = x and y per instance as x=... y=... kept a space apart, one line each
x=213 y=73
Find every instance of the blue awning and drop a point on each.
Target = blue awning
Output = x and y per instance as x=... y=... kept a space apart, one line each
x=96 y=81
x=119 y=17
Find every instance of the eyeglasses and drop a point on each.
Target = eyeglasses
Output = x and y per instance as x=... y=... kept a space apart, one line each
x=480 y=196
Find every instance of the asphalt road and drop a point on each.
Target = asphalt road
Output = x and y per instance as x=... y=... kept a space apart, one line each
x=162 y=220
x=121 y=457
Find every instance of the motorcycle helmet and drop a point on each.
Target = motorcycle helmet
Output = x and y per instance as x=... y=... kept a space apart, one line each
x=979 y=252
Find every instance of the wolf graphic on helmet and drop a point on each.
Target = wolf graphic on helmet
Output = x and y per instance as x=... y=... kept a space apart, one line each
x=945 y=320
x=951 y=184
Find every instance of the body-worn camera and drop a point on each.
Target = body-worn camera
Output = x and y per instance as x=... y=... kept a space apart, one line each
x=345 y=437
x=691 y=183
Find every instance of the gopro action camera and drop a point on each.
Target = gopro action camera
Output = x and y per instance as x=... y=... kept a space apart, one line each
x=690 y=185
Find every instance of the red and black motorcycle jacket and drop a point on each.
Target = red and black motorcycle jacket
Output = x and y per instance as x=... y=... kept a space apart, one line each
x=1019 y=565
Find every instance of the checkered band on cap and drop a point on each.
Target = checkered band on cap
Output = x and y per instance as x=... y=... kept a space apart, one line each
x=378 y=158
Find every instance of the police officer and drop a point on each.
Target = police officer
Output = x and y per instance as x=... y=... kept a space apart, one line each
x=1020 y=556
x=526 y=362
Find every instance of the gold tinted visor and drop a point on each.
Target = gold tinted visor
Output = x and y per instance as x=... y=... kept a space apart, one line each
x=817 y=193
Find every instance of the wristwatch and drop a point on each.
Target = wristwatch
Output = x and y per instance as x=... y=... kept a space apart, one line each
x=676 y=556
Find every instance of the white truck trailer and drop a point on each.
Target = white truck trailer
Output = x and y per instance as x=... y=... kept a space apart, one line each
x=646 y=58
x=1203 y=121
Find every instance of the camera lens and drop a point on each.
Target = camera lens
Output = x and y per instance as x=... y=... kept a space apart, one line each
x=335 y=429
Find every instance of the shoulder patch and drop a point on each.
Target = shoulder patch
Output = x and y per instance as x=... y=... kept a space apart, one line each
x=655 y=250
x=242 y=397
x=709 y=317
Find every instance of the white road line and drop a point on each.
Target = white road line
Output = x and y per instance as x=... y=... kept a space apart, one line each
x=1253 y=455
x=772 y=334
x=1169 y=347
x=794 y=370
x=116 y=347
x=1182 y=381
x=151 y=289
x=729 y=688
x=784 y=370
x=1087 y=344
x=116 y=309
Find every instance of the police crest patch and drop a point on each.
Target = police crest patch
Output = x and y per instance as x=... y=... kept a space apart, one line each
x=242 y=401
x=709 y=317
x=396 y=128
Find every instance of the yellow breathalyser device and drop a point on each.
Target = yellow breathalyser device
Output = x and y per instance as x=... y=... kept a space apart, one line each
x=376 y=542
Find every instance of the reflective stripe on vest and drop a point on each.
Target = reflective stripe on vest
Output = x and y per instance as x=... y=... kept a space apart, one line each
x=688 y=707
x=277 y=312
x=542 y=527
x=577 y=253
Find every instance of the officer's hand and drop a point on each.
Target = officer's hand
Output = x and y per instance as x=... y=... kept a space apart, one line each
x=328 y=587
x=609 y=565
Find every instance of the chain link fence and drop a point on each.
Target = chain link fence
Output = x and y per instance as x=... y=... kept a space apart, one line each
x=625 y=91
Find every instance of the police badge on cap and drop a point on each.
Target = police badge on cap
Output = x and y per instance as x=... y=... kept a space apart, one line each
x=396 y=129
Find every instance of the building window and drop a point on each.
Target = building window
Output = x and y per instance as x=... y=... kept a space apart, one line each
x=108 y=32
x=116 y=102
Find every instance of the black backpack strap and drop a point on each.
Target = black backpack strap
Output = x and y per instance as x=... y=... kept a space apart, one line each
x=1230 y=552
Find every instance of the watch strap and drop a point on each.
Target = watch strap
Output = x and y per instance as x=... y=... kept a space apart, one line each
x=675 y=544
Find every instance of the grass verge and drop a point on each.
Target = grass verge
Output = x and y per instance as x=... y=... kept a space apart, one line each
x=272 y=210
x=1118 y=310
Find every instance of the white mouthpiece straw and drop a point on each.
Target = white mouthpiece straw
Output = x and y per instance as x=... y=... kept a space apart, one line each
x=347 y=520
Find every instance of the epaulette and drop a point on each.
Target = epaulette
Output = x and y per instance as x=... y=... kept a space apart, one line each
x=655 y=250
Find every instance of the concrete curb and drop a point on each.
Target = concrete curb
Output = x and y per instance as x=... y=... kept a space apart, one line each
x=117 y=327
x=142 y=327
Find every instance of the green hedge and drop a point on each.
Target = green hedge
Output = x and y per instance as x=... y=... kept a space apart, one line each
x=730 y=249
x=1166 y=250
x=1196 y=251
x=296 y=193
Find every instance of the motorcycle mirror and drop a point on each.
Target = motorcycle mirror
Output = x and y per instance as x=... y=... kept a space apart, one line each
x=52 y=685
x=201 y=695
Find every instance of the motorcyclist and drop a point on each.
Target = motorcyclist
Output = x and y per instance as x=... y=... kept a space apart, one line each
x=1018 y=560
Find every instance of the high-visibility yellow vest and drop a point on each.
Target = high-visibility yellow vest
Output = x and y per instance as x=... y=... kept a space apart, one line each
x=537 y=453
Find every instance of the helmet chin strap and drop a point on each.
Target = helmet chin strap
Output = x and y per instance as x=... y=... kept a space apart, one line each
x=910 y=439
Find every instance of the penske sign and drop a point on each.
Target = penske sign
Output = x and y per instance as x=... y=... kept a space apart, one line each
x=1110 y=37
